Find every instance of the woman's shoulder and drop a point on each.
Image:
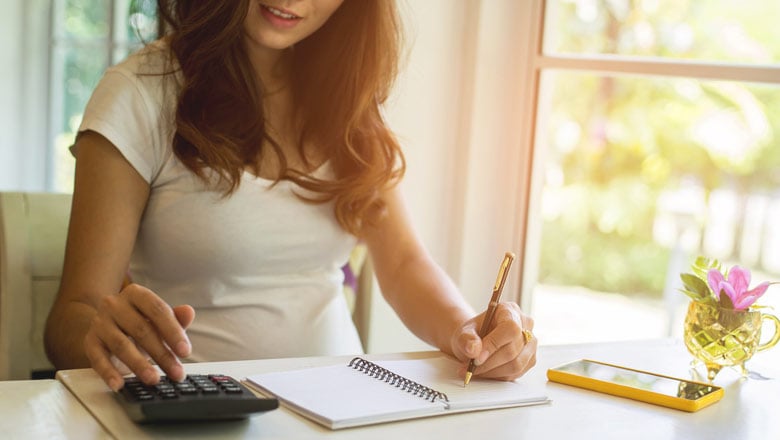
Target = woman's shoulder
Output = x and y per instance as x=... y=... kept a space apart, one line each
x=149 y=73
x=153 y=60
x=133 y=106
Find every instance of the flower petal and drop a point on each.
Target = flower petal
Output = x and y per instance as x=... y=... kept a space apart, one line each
x=745 y=302
x=751 y=296
x=759 y=290
x=714 y=278
x=739 y=278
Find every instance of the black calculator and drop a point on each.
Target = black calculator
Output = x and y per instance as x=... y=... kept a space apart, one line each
x=199 y=397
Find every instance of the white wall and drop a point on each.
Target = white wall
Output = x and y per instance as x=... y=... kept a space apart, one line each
x=425 y=113
x=457 y=108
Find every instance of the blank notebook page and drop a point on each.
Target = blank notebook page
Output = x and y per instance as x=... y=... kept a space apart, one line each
x=340 y=396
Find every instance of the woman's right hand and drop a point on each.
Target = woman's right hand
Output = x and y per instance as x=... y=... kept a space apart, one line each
x=131 y=324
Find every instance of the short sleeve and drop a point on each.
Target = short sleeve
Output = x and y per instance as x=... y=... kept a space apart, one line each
x=121 y=111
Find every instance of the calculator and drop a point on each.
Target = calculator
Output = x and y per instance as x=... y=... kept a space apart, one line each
x=199 y=397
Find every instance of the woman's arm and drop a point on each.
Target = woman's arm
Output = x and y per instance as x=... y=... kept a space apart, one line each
x=430 y=305
x=90 y=320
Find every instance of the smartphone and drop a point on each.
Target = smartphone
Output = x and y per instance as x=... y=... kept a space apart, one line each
x=672 y=392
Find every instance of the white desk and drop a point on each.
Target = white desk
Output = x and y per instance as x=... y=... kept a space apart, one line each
x=747 y=411
x=44 y=409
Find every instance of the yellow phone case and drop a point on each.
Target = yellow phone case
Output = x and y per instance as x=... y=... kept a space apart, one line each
x=643 y=395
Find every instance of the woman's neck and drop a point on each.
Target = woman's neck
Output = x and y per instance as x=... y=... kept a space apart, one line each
x=271 y=67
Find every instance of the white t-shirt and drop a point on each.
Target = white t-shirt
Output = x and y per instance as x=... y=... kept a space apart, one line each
x=261 y=267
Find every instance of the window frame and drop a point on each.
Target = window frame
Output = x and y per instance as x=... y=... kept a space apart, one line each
x=531 y=174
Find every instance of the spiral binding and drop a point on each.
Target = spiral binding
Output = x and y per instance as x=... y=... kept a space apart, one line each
x=408 y=385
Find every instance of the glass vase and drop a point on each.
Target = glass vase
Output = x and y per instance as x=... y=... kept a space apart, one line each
x=720 y=337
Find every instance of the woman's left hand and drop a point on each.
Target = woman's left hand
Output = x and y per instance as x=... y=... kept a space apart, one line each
x=506 y=352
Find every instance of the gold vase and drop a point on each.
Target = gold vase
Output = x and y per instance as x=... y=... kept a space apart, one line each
x=721 y=337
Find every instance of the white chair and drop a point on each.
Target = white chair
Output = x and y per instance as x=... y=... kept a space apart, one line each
x=33 y=229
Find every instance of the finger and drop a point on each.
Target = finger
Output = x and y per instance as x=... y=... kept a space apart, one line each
x=527 y=321
x=100 y=360
x=509 y=371
x=513 y=368
x=116 y=342
x=467 y=344
x=502 y=355
x=185 y=314
x=519 y=355
x=507 y=330
x=149 y=343
x=120 y=366
x=161 y=316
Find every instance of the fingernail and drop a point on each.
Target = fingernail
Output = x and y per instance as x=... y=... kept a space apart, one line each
x=149 y=375
x=176 y=372
x=482 y=357
x=115 y=383
x=471 y=347
x=183 y=348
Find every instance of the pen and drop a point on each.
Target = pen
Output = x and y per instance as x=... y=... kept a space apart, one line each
x=491 y=310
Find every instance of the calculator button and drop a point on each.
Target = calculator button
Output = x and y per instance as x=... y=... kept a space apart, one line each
x=197 y=397
x=233 y=390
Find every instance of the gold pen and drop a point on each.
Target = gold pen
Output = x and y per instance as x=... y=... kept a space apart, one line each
x=491 y=310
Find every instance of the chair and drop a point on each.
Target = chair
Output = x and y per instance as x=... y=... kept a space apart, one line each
x=33 y=229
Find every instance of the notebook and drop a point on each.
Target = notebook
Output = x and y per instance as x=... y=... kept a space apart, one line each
x=361 y=392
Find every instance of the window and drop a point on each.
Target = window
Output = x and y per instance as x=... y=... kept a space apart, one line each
x=87 y=37
x=657 y=139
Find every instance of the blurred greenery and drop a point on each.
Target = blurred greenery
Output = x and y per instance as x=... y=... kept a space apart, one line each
x=724 y=30
x=84 y=46
x=619 y=145
x=141 y=25
x=84 y=19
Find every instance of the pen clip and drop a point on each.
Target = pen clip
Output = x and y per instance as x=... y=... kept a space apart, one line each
x=503 y=271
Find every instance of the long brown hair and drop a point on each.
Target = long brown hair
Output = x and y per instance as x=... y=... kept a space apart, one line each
x=341 y=75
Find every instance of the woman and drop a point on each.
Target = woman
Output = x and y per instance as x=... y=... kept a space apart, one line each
x=232 y=165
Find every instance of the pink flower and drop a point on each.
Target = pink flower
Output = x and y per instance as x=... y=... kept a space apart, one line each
x=735 y=286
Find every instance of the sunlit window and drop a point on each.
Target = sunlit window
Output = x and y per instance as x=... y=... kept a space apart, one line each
x=649 y=159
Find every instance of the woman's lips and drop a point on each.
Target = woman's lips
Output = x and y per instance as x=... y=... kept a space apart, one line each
x=279 y=17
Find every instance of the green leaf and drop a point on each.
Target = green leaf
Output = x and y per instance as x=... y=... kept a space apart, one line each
x=702 y=265
x=695 y=287
x=755 y=306
x=696 y=297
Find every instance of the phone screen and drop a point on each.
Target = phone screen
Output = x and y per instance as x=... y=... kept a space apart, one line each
x=637 y=379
